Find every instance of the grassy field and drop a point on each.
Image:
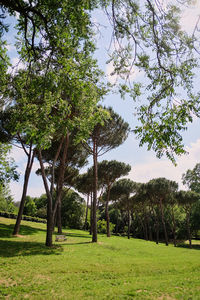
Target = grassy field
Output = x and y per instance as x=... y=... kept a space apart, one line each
x=114 y=268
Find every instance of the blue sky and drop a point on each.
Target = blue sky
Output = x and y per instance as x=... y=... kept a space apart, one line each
x=145 y=165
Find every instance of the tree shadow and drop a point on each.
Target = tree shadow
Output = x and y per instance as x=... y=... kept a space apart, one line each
x=73 y=244
x=10 y=248
x=186 y=246
x=7 y=230
x=70 y=234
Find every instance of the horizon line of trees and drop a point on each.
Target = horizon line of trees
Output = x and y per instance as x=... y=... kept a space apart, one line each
x=154 y=211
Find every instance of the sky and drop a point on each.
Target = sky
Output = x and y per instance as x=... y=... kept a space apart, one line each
x=145 y=165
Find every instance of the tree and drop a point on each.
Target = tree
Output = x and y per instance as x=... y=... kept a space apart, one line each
x=192 y=179
x=186 y=199
x=76 y=158
x=84 y=185
x=108 y=173
x=121 y=191
x=30 y=208
x=72 y=209
x=147 y=36
x=160 y=190
x=105 y=136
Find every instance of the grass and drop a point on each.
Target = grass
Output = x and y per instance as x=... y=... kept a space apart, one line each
x=114 y=268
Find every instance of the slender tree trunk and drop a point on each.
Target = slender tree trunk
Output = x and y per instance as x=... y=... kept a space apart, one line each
x=174 y=227
x=107 y=220
x=107 y=213
x=145 y=225
x=85 y=227
x=61 y=176
x=157 y=228
x=163 y=222
x=50 y=219
x=91 y=214
x=94 y=217
x=29 y=165
x=188 y=228
x=59 y=220
x=129 y=221
x=133 y=223
x=149 y=226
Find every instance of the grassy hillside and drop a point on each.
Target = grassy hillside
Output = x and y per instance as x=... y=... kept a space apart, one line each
x=114 y=268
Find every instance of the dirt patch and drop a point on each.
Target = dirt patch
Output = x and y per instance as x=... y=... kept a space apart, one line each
x=8 y=282
x=19 y=235
x=166 y=297
x=42 y=277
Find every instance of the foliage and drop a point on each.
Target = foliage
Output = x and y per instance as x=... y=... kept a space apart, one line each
x=102 y=228
x=7 y=166
x=72 y=210
x=147 y=37
x=108 y=134
x=30 y=208
x=6 y=200
x=110 y=171
x=192 y=179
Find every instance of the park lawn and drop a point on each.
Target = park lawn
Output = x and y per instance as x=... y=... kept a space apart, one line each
x=114 y=268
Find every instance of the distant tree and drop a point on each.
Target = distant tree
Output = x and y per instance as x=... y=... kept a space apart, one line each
x=108 y=173
x=30 y=208
x=121 y=191
x=72 y=209
x=160 y=189
x=187 y=199
x=105 y=136
x=141 y=204
x=192 y=179
x=84 y=185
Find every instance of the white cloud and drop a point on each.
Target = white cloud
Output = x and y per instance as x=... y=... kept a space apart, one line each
x=16 y=65
x=18 y=154
x=190 y=16
x=113 y=78
x=154 y=168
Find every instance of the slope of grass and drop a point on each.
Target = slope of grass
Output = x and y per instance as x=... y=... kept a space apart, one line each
x=114 y=268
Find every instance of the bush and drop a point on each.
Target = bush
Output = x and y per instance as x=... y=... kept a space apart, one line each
x=102 y=227
x=26 y=218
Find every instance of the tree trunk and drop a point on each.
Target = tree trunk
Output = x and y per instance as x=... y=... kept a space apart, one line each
x=50 y=218
x=91 y=216
x=174 y=227
x=59 y=221
x=129 y=221
x=145 y=224
x=85 y=227
x=94 y=217
x=107 y=213
x=29 y=165
x=163 y=222
x=188 y=229
x=61 y=176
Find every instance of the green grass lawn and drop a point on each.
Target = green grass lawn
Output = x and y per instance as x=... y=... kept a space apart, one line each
x=114 y=268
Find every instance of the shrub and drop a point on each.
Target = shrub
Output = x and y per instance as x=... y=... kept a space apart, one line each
x=102 y=227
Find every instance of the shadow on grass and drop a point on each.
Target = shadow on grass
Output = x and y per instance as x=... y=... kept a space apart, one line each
x=73 y=244
x=186 y=246
x=21 y=248
x=6 y=230
x=78 y=235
